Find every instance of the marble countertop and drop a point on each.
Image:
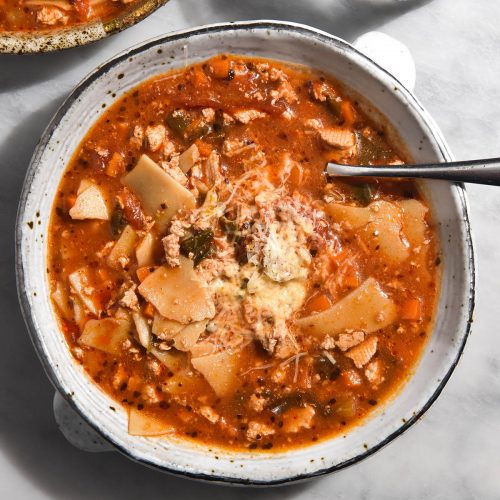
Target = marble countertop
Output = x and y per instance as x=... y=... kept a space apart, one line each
x=454 y=452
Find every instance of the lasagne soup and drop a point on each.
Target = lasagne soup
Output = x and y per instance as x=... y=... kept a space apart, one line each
x=211 y=279
x=33 y=15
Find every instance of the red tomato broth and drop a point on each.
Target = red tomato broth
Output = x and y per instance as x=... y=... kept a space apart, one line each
x=270 y=408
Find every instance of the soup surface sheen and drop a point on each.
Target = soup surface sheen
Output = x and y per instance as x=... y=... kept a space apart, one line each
x=212 y=280
x=34 y=15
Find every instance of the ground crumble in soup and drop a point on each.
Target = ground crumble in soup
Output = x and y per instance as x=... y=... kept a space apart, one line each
x=33 y=15
x=212 y=279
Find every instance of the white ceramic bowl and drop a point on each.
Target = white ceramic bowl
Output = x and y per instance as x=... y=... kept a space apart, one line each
x=288 y=42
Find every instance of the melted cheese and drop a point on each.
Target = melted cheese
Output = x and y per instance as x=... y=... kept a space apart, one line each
x=284 y=257
x=280 y=299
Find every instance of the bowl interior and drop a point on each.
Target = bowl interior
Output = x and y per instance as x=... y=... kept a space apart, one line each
x=17 y=42
x=279 y=41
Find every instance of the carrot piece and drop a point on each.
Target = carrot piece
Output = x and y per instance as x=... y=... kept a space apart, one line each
x=70 y=200
x=317 y=303
x=348 y=113
x=351 y=278
x=82 y=8
x=411 y=310
x=295 y=178
x=148 y=310
x=116 y=165
x=204 y=148
x=144 y=272
x=220 y=67
x=200 y=79
x=103 y=273
x=351 y=378
x=339 y=257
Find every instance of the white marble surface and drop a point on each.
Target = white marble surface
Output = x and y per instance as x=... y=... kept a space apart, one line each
x=454 y=452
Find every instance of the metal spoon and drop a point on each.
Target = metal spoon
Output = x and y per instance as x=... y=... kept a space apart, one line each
x=475 y=171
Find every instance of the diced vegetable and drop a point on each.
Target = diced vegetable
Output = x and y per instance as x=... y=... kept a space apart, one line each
x=325 y=368
x=189 y=158
x=348 y=113
x=220 y=67
x=141 y=423
x=349 y=277
x=220 y=371
x=345 y=407
x=367 y=308
x=143 y=272
x=144 y=251
x=148 y=310
x=179 y=121
x=363 y=193
x=200 y=79
x=118 y=221
x=334 y=105
x=372 y=150
x=81 y=284
x=318 y=303
x=158 y=191
x=106 y=334
x=123 y=248
x=411 y=310
x=143 y=329
x=199 y=246
x=90 y=204
x=178 y=294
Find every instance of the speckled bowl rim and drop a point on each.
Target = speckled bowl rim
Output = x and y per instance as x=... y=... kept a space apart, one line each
x=432 y=130
x=12 y=42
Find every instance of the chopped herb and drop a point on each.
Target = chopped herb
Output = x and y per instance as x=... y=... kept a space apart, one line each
x=362 y=193
x=372 y=150
x=179 y=121
x=118 y=221
x=325 y=369
x=197 y=131
x=334 y=105
x=199 y=246
x=229 y=226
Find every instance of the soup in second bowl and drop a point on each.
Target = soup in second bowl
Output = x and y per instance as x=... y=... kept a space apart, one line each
x=34 y=15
